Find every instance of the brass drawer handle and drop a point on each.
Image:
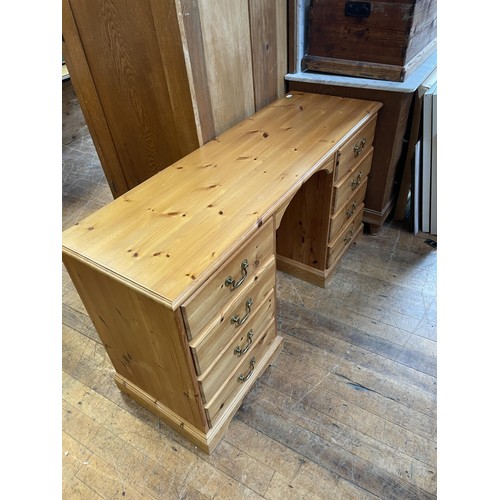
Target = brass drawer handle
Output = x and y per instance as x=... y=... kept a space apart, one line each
x=350 y=211
x=348 y=238
x=235 y=284
x=244 y=378
x=239 y=351
x=358 y=149
x=239 y=321
x=356 y=181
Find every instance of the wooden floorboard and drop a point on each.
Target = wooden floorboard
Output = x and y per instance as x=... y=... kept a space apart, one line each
x=347 y=411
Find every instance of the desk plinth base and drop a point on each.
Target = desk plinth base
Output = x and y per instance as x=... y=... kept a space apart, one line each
x=310 y=274
x=209 y=440
x=302 y=271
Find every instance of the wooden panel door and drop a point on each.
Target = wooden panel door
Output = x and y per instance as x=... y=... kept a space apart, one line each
x=156 y=79
x=131 y=49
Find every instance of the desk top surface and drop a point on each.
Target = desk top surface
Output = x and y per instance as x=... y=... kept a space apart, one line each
x=168 y=234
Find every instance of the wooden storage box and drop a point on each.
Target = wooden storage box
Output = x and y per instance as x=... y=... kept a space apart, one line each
x=384 y=40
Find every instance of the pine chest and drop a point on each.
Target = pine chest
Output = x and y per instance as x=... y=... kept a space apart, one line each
x=384 y=40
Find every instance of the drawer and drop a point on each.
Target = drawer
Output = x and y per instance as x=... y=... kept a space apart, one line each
x=346 y=213
x=344 y=189
x=355 y=149
x=228 y=282
x=239 y=345
x=209 y=346
x=340 y=244
x=241 y=377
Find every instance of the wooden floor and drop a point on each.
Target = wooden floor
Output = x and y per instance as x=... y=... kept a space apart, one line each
x=348 y=410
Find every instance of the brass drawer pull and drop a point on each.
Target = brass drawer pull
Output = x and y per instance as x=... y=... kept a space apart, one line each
x=239 y=321
x=358 y=149
x=348 y=238
x=230 y=280
x=244 y=378
x=350 y=211
x=356 y=181
x=239 y=351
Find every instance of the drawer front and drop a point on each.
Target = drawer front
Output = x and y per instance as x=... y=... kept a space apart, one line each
x=344 y=189
x=236 y=349
x=346 y=213
x=241 y=376
x=208 y=346
x=355 y=149
x=344 y=239
x=228 y=282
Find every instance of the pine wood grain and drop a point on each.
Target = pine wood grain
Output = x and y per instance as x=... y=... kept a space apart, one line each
x=300 y=134
x=156 y=79
x=388 y=143
x=308 y=429
x=303 y=230
x=216 y=295
x=142 y=233
x=151 y=360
